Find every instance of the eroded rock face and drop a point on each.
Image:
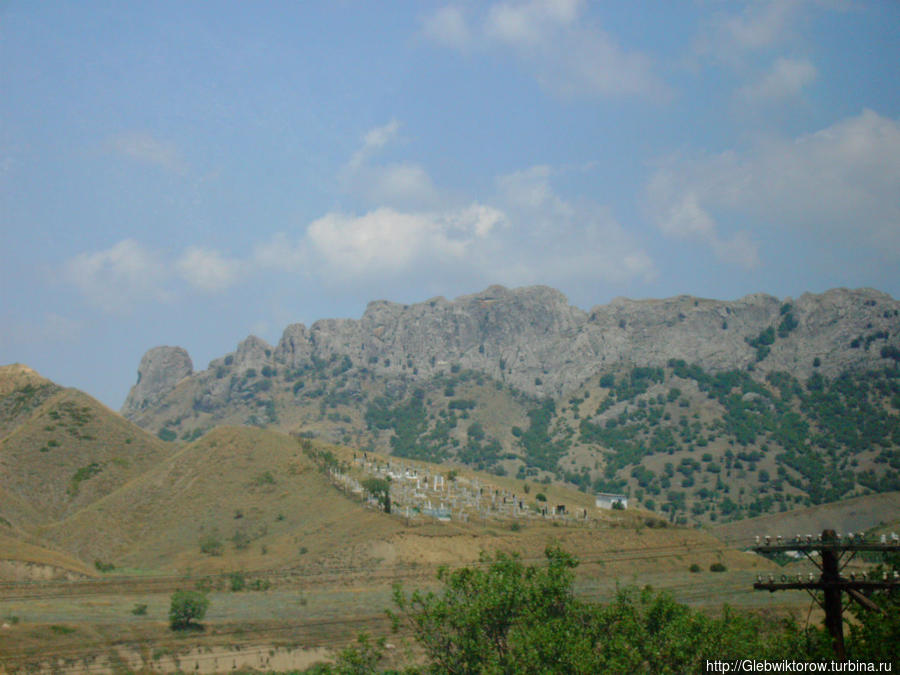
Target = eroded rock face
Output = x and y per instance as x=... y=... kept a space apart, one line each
x=533 y=339
x=252 y=354
x=161 y=369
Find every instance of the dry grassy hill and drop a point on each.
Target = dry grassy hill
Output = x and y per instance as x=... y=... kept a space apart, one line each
x=63 y=450
x=237 y=498
x=21 y=391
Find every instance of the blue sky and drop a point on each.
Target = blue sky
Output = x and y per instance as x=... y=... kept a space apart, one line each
x=190 y=173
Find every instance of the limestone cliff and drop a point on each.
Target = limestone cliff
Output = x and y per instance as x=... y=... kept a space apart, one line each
x=533 y=339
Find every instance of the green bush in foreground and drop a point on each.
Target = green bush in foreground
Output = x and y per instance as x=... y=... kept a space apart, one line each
x=186 y=608
x=505 y=617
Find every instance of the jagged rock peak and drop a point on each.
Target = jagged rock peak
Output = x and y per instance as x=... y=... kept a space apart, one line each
x=533 y=339
x=253 y=352
x=161 y=369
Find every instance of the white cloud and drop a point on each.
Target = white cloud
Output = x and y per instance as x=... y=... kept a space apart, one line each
x=404 y=185
x=280 y=253
x=529 y=23
x=685 y=218
x=127 y=274
x=387 y=241
x=147 y=149
x=759 y=25
x=840 y=183
x=530 y=189
x=207 y=270
x=119 y=277
x=375 y=140
x=729 y=37
x=479 y=219
x=786 y=79
x=554 y=240
x=448 y=27
x=525 y=234
x=566 y=53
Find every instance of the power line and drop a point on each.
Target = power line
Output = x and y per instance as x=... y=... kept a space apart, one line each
x=830 y=548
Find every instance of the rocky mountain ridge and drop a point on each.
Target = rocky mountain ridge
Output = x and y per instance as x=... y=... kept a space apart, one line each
x=534 y=340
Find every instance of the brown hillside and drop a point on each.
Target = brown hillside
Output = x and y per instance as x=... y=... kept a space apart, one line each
x=251 y=499
x=22 y=561
x=68 y=451
x=249 y=495
x=21 y=391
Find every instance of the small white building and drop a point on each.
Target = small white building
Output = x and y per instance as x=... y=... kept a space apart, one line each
x=606 y=500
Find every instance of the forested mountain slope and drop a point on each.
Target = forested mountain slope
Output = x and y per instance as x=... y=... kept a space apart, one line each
x=703 y=409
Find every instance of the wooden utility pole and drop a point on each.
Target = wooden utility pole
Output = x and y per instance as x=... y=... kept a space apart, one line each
x=830 y=548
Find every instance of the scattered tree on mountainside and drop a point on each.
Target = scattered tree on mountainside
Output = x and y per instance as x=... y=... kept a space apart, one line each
x=379 y=488
x=408 y=421
x=817 y=440
x=816 y=430
x=541 y=450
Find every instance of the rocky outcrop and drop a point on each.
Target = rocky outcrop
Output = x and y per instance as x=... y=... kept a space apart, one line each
x=161 y=369
x=252 y=354
x=530 y=335
x=534 y=340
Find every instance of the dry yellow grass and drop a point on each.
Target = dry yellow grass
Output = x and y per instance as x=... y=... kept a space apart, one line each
x=70 y=451
x=16 y=376
x=25 y=561
x=250 y=493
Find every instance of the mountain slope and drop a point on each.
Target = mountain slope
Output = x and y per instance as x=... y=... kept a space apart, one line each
x=238 y=497
x=533 y=340
x=851 y=515
x=21 y=391
x=63 y=449
x=705 y=410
